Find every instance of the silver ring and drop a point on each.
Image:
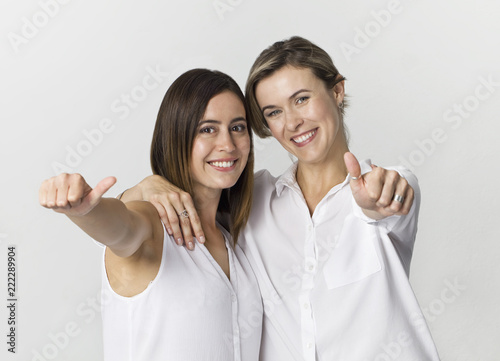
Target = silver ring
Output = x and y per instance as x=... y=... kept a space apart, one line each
x=356 y=178
x=184 y=214
x=399 y=198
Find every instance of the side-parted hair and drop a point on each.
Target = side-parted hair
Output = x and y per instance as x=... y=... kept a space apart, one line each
x=176 y=127
x=299 y=53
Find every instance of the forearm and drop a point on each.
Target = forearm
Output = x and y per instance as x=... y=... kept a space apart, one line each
x=115 y=225
x=132 y=194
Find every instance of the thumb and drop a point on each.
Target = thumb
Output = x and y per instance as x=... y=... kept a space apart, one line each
x=352 y=166
x=102 y=187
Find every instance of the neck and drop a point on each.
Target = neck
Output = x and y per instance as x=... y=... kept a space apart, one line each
x=206 y=204
x=316 y=179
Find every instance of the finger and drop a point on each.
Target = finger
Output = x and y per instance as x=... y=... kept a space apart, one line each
x=408 y=202
x=390 y=181
x=102 y=187
x=62 y=185
x=194 y=220
x=184 y=223
x=42 y=194
x=78 y=189
x=163 y=216
x=51 y=193
x=400 y=190
x=352 y=166
x=374 y=185
x=173 y=219
x=186 y=231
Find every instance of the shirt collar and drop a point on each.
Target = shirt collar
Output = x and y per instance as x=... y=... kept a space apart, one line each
x=289 y=179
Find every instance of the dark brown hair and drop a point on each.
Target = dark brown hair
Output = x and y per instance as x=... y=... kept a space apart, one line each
x=299 y=53
x=176 y=126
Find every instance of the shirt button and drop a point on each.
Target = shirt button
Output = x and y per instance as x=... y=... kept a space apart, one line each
x=306 y=306
x=233 y=298
x=309 y=345
x=309 y=227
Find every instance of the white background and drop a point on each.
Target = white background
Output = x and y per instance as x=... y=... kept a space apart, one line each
x=404 y=79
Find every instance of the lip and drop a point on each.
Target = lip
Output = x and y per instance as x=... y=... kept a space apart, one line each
x=307 y=141
x=223 y=169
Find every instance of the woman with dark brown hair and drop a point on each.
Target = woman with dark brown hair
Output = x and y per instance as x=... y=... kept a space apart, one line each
x=164 y=302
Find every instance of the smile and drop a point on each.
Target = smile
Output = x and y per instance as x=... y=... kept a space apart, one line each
x=304 y=137
x=218 y=164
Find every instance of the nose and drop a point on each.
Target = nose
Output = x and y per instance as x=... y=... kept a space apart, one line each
x=293 y=120
x=225 y=142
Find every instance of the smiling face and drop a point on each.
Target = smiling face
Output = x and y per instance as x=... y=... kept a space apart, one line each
x=222 y=144
x=302 y=114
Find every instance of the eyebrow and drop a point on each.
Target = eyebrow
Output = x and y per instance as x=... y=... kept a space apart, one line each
x=289 y=98
x=211 y=121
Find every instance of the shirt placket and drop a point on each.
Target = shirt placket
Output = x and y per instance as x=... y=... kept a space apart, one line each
x=234 y=306
x=307 y=319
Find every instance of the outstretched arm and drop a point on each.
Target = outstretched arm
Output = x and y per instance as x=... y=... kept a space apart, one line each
x=123 y=228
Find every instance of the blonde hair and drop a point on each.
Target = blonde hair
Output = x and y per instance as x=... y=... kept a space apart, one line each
x=299 y=53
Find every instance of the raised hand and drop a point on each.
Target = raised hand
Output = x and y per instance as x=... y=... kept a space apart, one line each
x=71 y=195
x=381 y=192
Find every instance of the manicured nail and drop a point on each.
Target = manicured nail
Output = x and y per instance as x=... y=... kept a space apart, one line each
x=190 y=245
x=179 y=241
x=202 y=239
x=169 y=230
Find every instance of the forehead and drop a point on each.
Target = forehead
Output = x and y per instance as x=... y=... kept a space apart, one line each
x=285 y=82
x=224 y=105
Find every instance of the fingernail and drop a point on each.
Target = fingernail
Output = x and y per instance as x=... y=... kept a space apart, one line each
x=179 y=241
x=169 y=230
x=190 y=245
x=202 y=239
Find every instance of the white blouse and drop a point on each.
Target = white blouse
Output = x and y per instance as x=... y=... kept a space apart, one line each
x=190 y=311
x=335 y=285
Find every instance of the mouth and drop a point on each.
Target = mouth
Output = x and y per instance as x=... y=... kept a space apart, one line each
x=223 y=164
x=304 y=138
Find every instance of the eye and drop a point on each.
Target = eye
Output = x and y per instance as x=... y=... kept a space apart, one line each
x=273 y=113
x=207 y=130
x=301 y=100
x=239 y=128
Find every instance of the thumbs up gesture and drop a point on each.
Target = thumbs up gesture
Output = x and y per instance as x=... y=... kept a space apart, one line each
x=381 y=192
x=70 y=194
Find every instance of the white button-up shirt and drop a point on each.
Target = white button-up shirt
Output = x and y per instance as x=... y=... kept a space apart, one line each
x=335 y=285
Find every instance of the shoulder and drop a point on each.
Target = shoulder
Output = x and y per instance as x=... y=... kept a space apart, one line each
x=264 y=181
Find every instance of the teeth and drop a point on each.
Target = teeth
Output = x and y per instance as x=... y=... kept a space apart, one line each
x=304 y=137
x=223 y=164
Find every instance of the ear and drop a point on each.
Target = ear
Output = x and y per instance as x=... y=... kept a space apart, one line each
x=338 y=91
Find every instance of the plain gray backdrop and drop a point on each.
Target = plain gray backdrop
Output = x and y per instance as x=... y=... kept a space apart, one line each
x=81 y=83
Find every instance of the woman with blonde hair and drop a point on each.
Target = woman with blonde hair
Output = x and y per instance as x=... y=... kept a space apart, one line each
x=331 y=239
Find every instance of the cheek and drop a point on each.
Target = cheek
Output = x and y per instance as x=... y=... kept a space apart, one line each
x=244 y=145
